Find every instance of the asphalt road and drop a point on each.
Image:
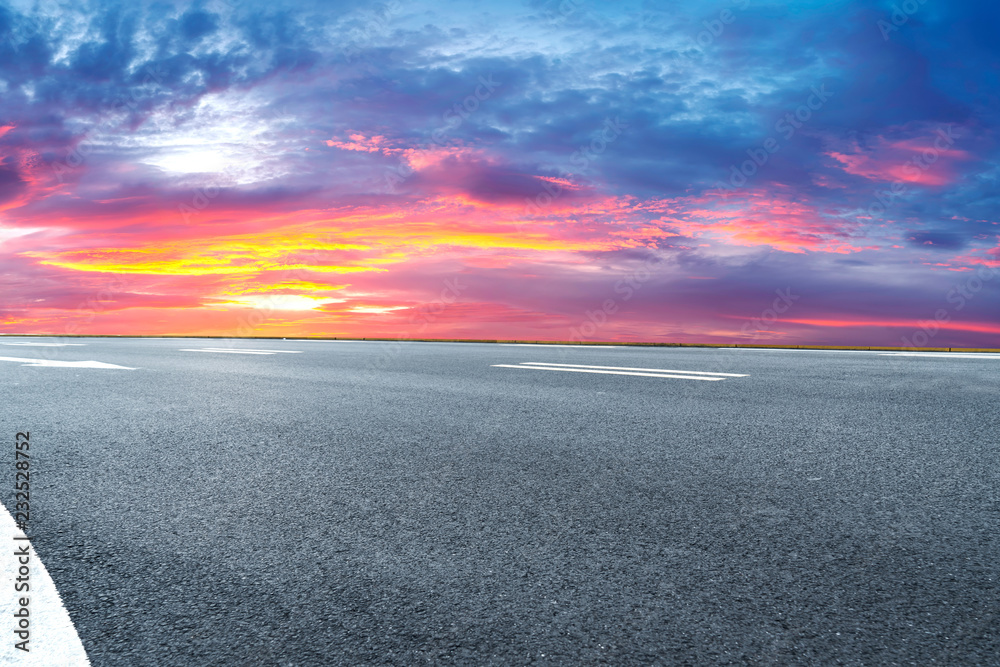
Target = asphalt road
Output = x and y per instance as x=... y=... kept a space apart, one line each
x=367 y=503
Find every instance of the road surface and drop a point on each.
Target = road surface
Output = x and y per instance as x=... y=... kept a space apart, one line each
x=265 y=502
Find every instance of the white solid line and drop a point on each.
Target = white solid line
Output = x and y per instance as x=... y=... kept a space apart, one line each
x=619 y=368
x=586 y=370
x=53 y=641
x=228 y=351
x=241 y=349
x=948 y=355
x=64 y=364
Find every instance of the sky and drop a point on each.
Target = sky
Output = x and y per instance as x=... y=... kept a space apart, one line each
x=777 y=173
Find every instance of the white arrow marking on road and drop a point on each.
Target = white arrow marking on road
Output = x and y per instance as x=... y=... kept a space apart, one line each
x=65 y=364
x=621 y=368
x=52 y=639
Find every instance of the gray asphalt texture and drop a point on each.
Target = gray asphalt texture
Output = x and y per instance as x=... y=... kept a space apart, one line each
x=370 y=503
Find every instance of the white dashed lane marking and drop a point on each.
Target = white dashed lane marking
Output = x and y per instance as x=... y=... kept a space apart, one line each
x=52 y=639
x=624 y=368
x=619 y=370
x=228 y=351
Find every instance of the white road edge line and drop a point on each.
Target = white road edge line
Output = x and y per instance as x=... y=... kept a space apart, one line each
x=53 y=641
x=587 y=370
x=621 y=368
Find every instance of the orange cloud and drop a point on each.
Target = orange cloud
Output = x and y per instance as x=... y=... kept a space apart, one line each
x=247 y=254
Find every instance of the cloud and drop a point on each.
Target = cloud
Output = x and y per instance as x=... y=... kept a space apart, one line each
x=939 y=240
x=925 y=160
x=11 y=183
x=212 y=156
x=196 y=24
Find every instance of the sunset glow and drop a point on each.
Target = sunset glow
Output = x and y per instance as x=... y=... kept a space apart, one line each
x=500 y=170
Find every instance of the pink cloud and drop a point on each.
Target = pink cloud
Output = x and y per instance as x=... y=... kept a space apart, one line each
x=358 y=142
x=929 y=159
x=764 y=218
